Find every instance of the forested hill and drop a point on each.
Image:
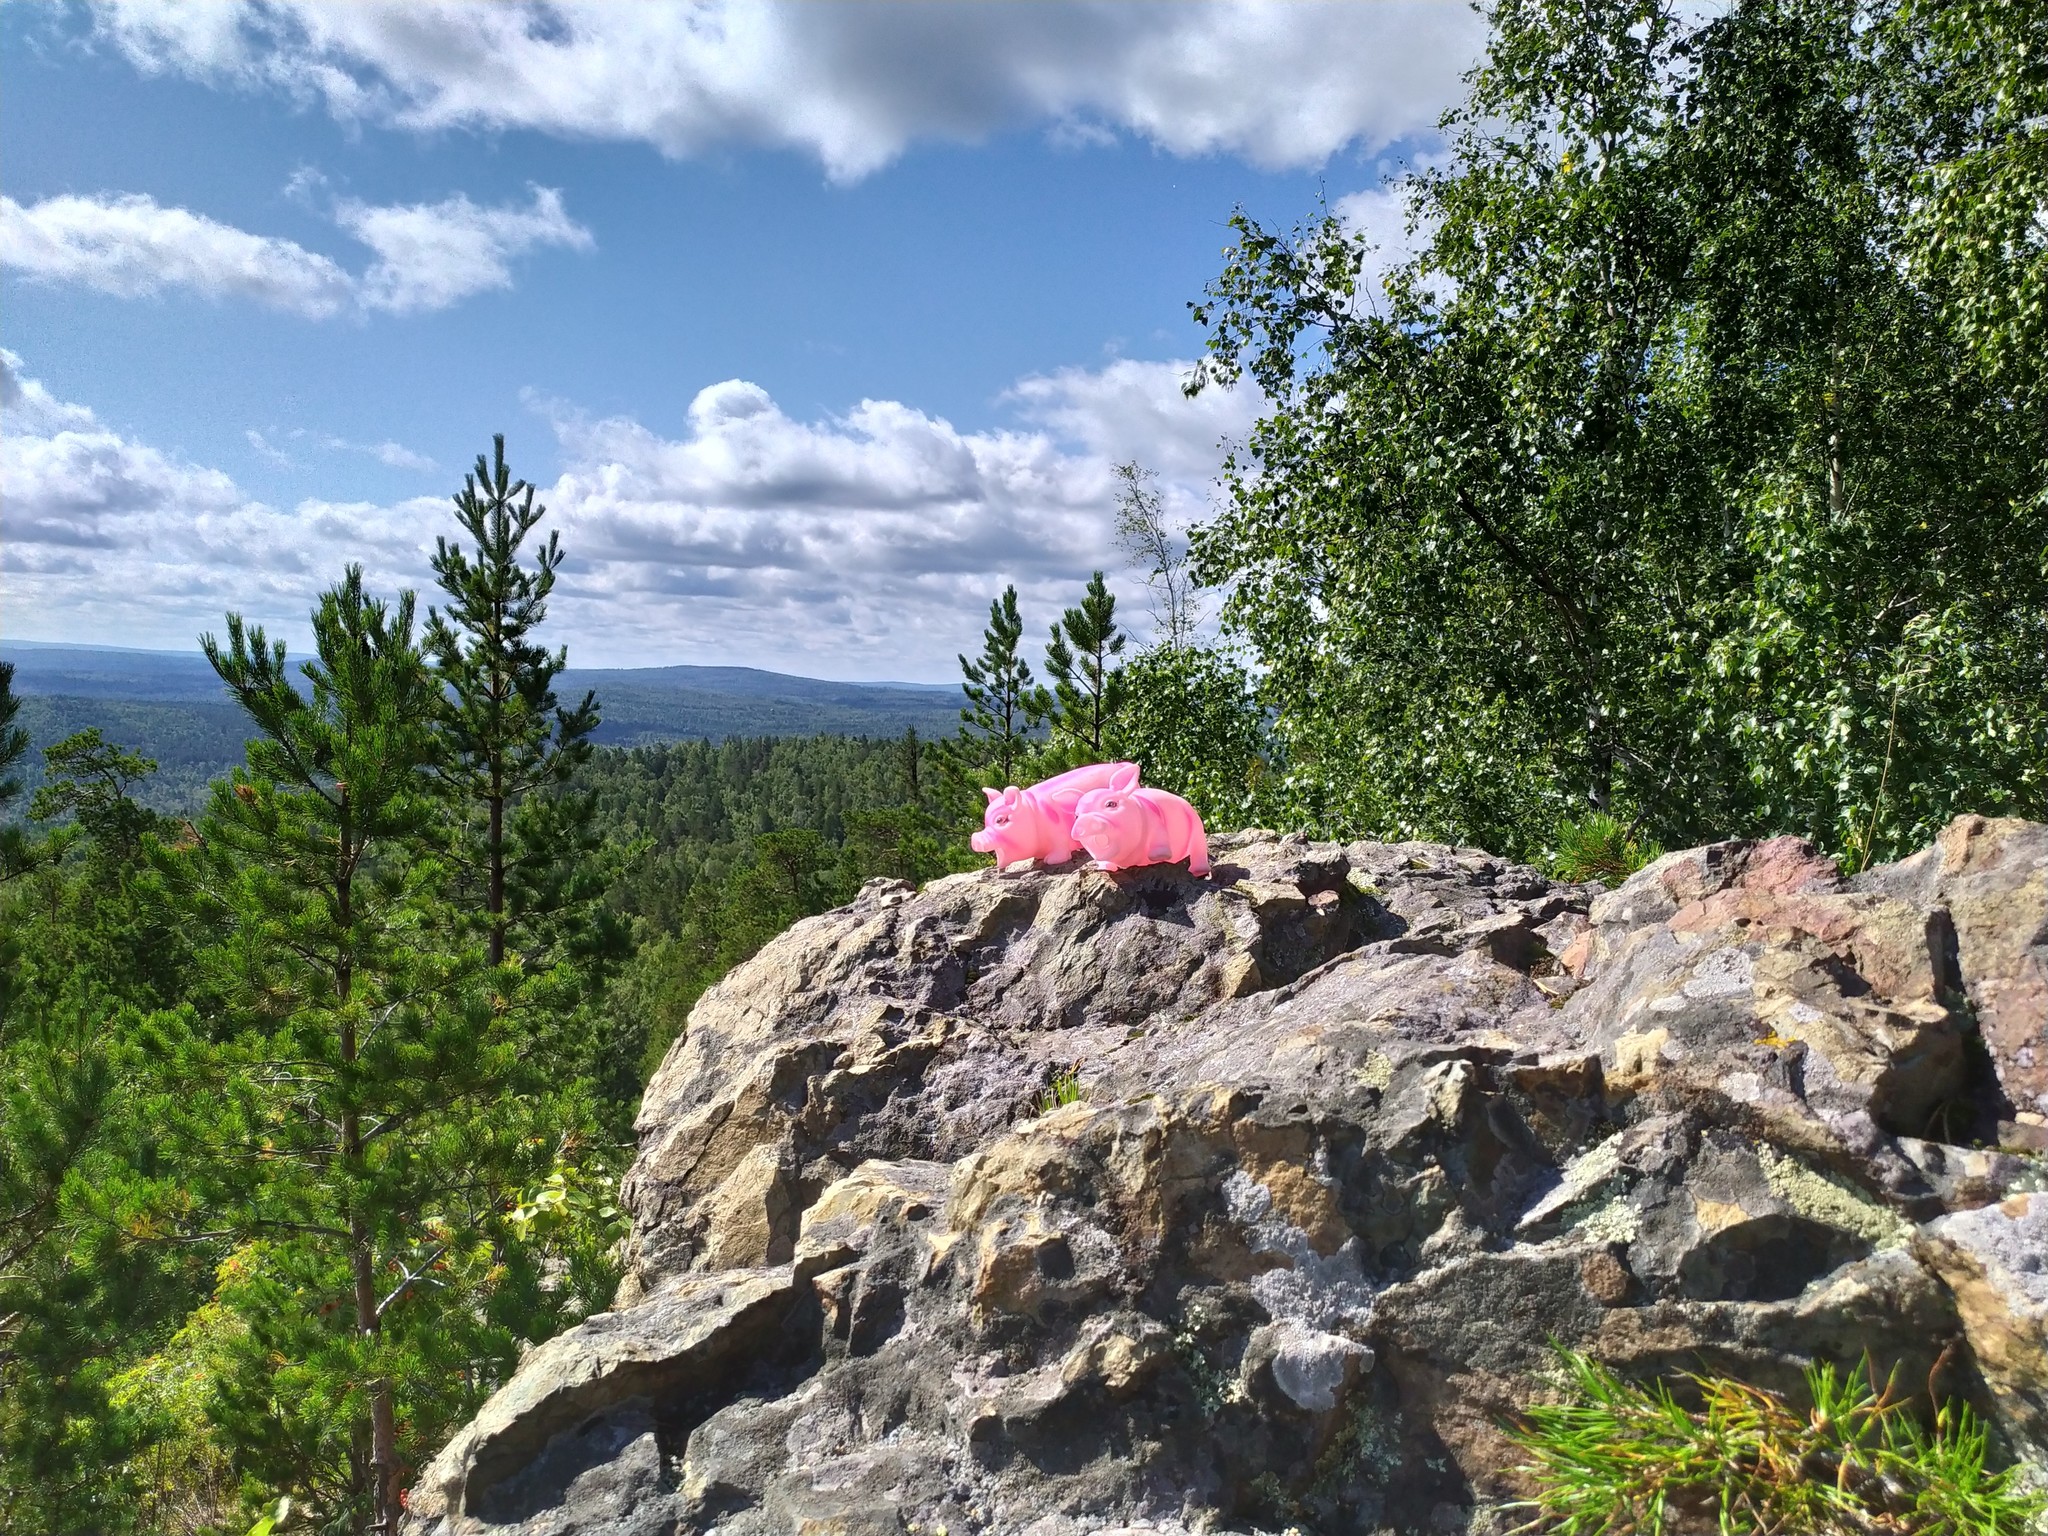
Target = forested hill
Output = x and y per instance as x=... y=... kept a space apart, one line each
x=169 y=706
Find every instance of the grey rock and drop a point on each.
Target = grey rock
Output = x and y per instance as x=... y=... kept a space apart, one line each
x=1365 y=1127
x=1991 y=878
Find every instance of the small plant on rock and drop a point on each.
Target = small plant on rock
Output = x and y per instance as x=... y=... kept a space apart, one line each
x=1618 y=1458
x=1065 y=1088
x=1601 y=847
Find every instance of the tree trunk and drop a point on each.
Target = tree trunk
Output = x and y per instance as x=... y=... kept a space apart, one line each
x=1600 y=785
x=383 y=1422
x=362 y=1260
x=494 y=897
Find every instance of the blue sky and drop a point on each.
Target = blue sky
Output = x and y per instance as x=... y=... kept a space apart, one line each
x=813 y=326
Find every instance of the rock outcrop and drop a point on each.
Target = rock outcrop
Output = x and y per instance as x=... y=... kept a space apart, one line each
x=1363 y=1129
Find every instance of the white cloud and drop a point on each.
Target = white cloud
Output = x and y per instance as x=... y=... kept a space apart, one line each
x=397 y=456
x=391 y=455
x=429 y=255
x=131 y=247
x=267 y=450
x=432 y=255
x=107 y=539
x=1380 y=216
x=1281 y=82
x=866 y=545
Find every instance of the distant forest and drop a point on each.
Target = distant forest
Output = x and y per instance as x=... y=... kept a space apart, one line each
x=173 y=710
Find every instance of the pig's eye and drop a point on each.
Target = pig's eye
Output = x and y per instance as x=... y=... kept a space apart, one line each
x=1111 y=805
x=1002 y=821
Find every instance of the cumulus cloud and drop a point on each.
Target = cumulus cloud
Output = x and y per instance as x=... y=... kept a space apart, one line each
x=109 y=539
x=1281 y=82
x=1380 y=216
x=867 y=544
x=432 y=255
x=428 y=255
x=132 y=247
x=862 y=545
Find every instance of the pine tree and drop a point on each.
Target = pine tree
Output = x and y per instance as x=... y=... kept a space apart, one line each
x=512 y=749
x=89 y=778
x=13 y=738
x=1087 y=684
x=17 y=850
x=1004 y=708
x=81 y=1282
x=912 y=756
x=361 y=1108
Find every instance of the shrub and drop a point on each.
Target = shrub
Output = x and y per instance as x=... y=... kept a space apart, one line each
x=1600 y=847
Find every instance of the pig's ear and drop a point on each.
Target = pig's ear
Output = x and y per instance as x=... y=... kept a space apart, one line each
x=1012 y=795
x=995 y=796
x=1125 y=778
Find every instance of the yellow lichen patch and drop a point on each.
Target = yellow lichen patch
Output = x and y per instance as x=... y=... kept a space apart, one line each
x=1638 y=1058
x=1378 y=1071
x=1717 y=1215
x=1831 y=1202
x=1011 y=1263
x=1238 y=976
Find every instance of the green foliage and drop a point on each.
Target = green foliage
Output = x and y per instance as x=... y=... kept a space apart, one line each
x=1656 y=477
x=82 y=1183
x=1159 y=553
x=1600 y=847
x=366 y=1093
x=1088 y=686
x=1965 y=126
x=191 y=742
x=1617 y=1457
x=13 y=737
x=508 y=748
x=1191 y=722
x=16 y=852
x=91 y=780
x=999 y=728
x=1064 y=1087
x=735 y=841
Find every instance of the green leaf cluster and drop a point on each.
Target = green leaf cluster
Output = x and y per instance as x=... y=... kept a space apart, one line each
x=1677 y=477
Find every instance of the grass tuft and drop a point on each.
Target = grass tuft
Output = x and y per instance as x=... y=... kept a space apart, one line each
x=1623 y=1460
x=1065 y=1088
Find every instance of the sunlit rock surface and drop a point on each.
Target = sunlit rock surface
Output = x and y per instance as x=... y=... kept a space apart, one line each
x=1364 y=1126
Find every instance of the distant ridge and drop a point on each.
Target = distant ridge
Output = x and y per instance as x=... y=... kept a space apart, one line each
x=170 y=706
x=40 y=665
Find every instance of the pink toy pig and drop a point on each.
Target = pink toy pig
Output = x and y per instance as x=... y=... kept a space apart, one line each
x=1122 y=825
x=1038 y=823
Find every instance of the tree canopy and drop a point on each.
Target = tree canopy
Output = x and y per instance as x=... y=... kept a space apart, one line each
x=1678 y=472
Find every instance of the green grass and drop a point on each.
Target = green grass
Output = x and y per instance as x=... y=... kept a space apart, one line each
x=1622 y=1460
x=1065 y=1088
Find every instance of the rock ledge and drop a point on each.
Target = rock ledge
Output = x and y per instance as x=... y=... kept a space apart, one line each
x=1364 y=1126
